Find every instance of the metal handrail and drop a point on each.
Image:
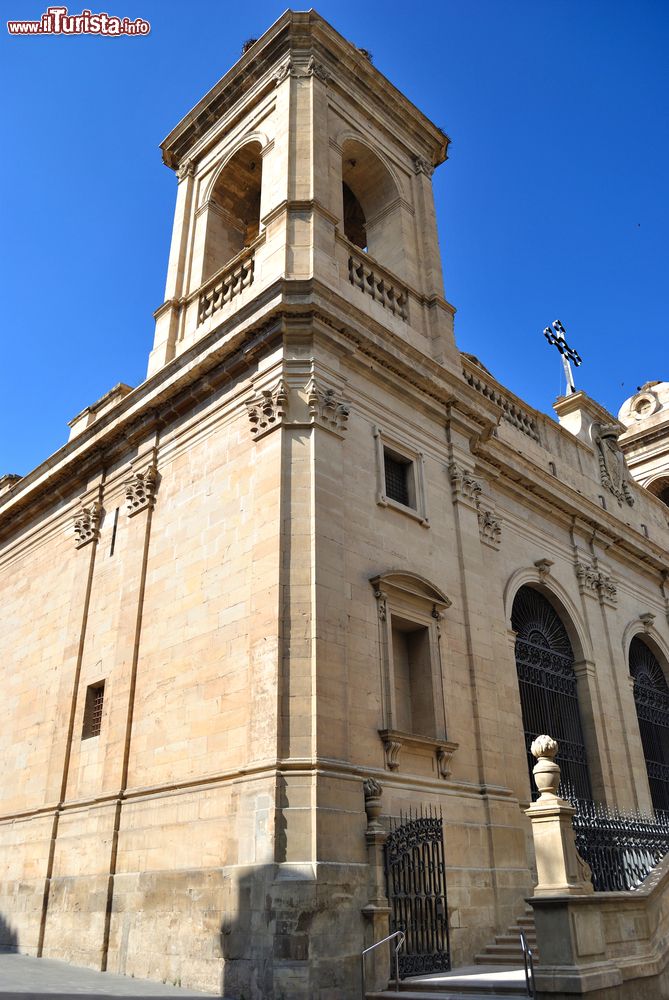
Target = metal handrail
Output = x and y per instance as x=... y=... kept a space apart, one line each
x=401 y=935
x=528 y=959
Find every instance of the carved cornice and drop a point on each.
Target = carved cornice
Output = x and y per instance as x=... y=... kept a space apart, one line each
x=87 y=524
x=140 y=490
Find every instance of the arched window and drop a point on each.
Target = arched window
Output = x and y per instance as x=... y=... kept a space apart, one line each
x=371 y=206
x=234 y=208
x=547 y=683
x=660 y=489
x=651 y=697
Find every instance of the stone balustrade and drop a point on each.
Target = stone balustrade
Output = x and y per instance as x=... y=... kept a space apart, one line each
x=226 y=284
x=364 y=273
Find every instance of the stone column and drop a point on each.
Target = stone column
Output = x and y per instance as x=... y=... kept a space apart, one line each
x=377 y=910
x=560 y=869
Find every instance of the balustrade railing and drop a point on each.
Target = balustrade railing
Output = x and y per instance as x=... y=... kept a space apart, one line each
x=371 y=278
x=621 y=849
x=227 y=283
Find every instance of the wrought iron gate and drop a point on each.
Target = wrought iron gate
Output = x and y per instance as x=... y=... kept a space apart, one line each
x=545 y=664
x=651 y=696
x=416 y=886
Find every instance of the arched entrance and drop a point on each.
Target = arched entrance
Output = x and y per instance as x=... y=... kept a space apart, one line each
x=651 y=697
x=547 y=683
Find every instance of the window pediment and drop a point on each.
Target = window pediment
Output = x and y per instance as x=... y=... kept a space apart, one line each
x=410 y=585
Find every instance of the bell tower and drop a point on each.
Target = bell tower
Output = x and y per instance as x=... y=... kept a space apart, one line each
x=304 y=176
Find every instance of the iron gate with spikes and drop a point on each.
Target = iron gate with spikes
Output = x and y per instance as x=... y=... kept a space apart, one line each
x=416 y=887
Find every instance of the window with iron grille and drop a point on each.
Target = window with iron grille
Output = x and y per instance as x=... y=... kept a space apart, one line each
x=95 y=694
x=399 y=478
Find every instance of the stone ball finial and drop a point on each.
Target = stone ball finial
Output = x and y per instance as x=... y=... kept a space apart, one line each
x=544 y=746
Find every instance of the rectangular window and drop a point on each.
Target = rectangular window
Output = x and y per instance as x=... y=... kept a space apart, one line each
x=399 y=478
x=95 y=694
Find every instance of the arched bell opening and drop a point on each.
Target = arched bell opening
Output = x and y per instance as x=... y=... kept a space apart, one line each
x=233 y=220
x=651 y=699
x=548 y=687
x=371 y=205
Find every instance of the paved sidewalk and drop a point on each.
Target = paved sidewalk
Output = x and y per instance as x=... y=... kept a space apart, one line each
x=25 y=978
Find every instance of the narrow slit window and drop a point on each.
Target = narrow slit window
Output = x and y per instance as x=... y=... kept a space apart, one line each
x=95 y=695
x=114 y=530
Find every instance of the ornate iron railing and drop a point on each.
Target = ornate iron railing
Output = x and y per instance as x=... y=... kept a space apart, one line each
x=366 y=274
x=621 y=849
x=236 y=275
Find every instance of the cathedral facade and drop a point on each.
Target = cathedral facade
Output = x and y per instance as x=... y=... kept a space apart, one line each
x=318 y=557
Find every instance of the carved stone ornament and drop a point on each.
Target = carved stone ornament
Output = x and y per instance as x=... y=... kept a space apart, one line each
x=382 y=598
x=612 y=468
x=463 y=484
x=595 y=583
x=325 y=408
x=490 y=528
x=544 y=567
x=267 y=410
x=373 y=791
x=313 y=68
x=87 y=524
x=422 y=166
x=392 y=749
x=140 y=490
x=185 y=169
x=647 y=620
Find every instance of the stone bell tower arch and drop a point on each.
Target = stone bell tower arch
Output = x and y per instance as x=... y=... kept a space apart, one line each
x=299 y=134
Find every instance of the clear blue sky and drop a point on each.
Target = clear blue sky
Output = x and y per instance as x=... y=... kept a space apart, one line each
x=553 y=202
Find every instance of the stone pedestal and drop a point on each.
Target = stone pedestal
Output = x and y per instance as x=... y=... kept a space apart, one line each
x=377 y=910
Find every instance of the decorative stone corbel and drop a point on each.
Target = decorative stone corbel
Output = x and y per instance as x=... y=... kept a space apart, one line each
x=647 y=619
x=382 y=599
x=87 y=524
x=267 y=409
x=490 y=528
x=140 y=490
x=544 y=567
x=391 y=749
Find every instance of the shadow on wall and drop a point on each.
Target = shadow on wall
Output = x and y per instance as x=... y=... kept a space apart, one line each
x=247 y=929
x=9 y=939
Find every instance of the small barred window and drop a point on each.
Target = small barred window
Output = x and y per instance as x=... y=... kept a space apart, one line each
x=398 y=478
x=95 y=694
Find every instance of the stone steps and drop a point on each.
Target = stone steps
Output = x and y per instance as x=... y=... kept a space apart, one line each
x=470 y=983
x=506 y=948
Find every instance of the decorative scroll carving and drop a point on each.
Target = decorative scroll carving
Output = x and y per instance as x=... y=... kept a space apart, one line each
x=325 y=408
x=140 y=490
x=267 y=410
x=392 y=749
x=464 y=486
x=444 y=754
x=87 y=524
x=317 y=69
x=422 y=166
x=490 y=528
x=185 y=169
x=612 y=468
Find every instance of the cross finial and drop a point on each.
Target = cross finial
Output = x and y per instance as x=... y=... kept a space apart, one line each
x=556 y=336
